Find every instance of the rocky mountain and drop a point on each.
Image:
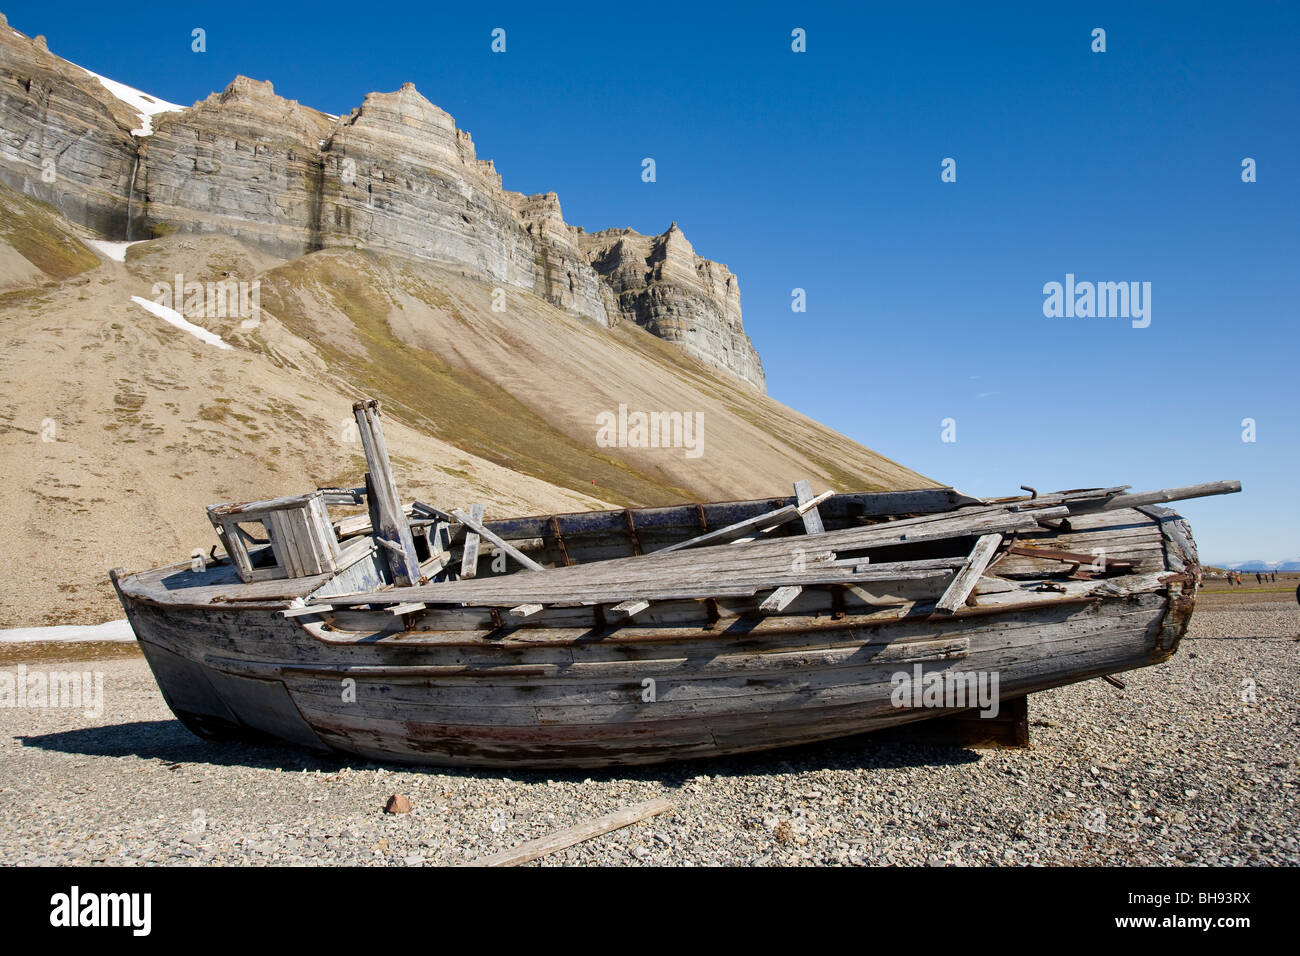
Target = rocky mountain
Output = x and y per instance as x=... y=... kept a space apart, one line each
x=664 y=287
x=371 y=254
x=394 y=175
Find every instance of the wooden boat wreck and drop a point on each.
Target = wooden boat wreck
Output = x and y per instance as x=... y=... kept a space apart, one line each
x=410 y=633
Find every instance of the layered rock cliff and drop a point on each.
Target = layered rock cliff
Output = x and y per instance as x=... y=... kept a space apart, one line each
x=395 y=176
x=662 y=285
x=64 y=138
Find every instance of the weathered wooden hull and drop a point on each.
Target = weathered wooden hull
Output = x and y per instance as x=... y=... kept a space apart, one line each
x=567 y=705
x=670 y=686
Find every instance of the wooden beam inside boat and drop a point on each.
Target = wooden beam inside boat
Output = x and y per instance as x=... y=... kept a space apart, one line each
x=1170 y=494
x=964 y=582
x=409 y=607
x=391 y=523
x=1068 y=557
x=780 y=599
x=304 y=611
x=630 y=608
x=497 y=540
x=700 y=571
x=469 y=559
x=763 y=522
x=812 y=518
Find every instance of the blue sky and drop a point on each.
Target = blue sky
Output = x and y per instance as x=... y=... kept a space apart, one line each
x=821 y=170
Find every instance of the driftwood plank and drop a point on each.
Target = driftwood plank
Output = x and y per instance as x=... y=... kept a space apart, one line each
x=500 y=542
x=469 y=560
x=966 y=579
x=563 y=839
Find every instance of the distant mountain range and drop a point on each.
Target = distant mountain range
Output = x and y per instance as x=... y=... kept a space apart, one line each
x=1261 y=566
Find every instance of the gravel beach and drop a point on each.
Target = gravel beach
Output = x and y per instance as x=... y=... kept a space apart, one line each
x=1184 y=766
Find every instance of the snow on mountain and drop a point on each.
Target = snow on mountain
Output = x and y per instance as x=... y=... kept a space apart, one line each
x=145 y=106
x=172 y=317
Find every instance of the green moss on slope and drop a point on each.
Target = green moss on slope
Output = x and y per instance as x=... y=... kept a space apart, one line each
x=455 y=404
x=34 y=230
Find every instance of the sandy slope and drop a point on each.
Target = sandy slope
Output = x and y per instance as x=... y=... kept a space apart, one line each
x=117 y=428
x=149 y=425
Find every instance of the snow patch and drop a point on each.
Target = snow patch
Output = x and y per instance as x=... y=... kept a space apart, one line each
x=114 y=250
x=173 y=317
x=146 y=106
x=110 y=631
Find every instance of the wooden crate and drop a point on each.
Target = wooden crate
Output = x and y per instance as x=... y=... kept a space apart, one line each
x=298 y=527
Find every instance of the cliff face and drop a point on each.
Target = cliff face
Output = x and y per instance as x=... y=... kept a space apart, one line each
x=395 y=175
x=243 y=163
x=662 y=285
x=63 y=138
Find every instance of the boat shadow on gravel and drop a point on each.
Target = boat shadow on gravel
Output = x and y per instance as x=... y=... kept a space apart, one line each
x=169 y=742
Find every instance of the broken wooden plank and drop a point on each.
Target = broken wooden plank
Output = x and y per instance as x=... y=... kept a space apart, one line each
x=928 y=584
x=256 y=510
x=722 y=535
x=629 y=608
x=429 y=511
x=812 y=519
x=965 y=580
x=304 y=611
x=409 y=607
x=469 y=559
x=713 y=569
x=779 y=599
x=1165 y=494
x=805 y=506
x=390 y=525
x=236 y=550
x=1068 y=557
x=1083 y=498
x=342 y=496
x=501 y=543
x=763 y=522
x=524 y=610
x=563 y=839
